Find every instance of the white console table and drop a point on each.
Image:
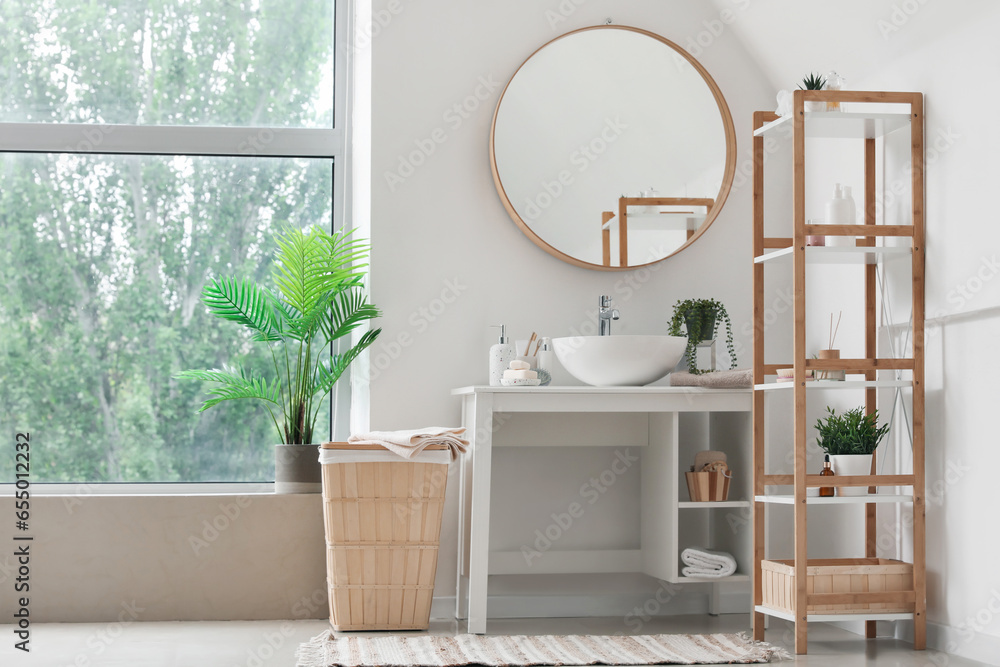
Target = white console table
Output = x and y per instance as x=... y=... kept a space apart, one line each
x=661 y=479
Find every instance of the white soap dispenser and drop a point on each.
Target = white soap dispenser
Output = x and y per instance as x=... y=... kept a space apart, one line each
x=501 y=355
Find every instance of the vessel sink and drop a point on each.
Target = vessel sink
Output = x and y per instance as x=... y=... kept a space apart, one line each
x=619 y=361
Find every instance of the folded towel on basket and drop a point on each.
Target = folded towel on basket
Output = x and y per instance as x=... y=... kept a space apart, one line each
x=410 y=443
x=707 y=563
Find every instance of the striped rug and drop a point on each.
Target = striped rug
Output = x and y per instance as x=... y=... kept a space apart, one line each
x=328 y=650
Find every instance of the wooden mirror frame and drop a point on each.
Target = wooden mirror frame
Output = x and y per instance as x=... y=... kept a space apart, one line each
x=720 y=199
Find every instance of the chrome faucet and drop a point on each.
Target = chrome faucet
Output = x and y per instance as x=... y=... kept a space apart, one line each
x=606 y=314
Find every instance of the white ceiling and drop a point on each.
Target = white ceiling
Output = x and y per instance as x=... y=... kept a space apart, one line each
x=790 y=38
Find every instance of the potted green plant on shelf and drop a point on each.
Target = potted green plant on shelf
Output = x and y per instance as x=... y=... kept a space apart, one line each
x=318 y=298
x=701 y=319
x=850 y=439
x=813 y=82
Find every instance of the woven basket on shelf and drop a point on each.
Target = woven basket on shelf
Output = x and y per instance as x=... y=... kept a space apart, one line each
x=383 y=528
x=845 y=581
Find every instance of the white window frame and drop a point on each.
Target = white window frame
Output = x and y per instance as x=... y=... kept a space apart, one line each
x=200 y=141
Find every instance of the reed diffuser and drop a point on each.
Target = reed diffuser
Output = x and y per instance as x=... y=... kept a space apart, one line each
x=831 y=353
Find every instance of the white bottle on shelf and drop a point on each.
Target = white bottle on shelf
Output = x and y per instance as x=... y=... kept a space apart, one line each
x=840 y=211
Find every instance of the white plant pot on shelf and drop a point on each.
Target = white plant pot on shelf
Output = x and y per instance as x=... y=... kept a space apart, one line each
x=851 y=465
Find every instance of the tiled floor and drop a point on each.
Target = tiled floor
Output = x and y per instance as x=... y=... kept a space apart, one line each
x=273 y=643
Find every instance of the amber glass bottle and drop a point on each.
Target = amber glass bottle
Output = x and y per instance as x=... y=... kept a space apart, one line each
x=827 y=471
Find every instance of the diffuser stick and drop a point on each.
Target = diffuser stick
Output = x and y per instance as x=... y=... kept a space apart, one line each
x=834 y=330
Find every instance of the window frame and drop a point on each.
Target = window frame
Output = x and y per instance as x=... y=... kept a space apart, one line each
x=209 y=141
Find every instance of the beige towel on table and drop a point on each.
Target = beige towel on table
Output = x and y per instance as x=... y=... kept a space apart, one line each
x=740 y=378
x=410 y=443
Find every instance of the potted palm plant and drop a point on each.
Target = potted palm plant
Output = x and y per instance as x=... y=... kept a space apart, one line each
x=318 y=298
x=850 y=439
x=701 y=318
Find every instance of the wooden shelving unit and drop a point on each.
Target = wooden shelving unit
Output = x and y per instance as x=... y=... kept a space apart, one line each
x=870 y=249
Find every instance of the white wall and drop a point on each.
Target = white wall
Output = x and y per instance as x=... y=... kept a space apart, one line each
x=447 y=260
x=943 y=50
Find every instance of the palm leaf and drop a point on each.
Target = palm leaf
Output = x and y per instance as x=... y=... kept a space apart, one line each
x=234 y=384
x=243 y=302
x=328 y=374
x=298 y=269
x=349 y=311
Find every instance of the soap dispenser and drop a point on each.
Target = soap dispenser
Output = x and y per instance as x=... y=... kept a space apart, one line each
x=501 y=355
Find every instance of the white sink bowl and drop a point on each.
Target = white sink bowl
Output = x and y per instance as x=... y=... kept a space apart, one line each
x=619 y=361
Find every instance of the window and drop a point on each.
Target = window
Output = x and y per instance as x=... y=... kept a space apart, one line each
x=143 y=148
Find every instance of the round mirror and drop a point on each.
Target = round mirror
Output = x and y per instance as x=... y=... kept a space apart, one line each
x=612 y=148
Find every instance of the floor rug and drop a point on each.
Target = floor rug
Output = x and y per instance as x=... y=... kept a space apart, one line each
x=328 y=650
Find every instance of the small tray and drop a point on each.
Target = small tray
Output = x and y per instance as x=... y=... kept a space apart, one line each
x=520 y=382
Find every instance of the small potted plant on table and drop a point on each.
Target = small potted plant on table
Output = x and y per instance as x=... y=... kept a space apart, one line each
x=850 y=439
x=701 y=319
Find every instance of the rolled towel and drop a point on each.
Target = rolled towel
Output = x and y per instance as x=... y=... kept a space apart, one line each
x=707 y=563
x=409 y=443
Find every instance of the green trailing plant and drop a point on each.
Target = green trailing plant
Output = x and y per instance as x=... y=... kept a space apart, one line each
x=812 y=82
x=318 y=299
x=701 y=319
x=852 y=432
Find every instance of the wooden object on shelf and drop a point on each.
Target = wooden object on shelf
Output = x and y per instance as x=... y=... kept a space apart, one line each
x=606 y=217
x=708 y=486
x=868 y=128
x=625 y=202
x=383 y=529
x=841 y=585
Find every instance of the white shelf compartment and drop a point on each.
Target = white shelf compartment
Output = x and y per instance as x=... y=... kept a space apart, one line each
x=838 y=254
x=839 y=125
x=835 y=384
x=864 y=616
x=787 y=499
x=712 y=504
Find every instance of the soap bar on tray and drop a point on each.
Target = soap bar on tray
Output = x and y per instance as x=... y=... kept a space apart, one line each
x=515 y=374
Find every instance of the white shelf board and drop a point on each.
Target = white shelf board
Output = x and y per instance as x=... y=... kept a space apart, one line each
x=835 y=384
x=864 y=616
x=733 y=578
x=659 y=221
x=837 y=254
x=839 y=125
x=712 y=504
x=783 y=499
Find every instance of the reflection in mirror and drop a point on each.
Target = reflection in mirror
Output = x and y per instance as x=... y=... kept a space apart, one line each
x=612 y=148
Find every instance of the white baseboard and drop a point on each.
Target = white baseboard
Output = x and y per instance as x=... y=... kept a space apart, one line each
x=965 y=643
x=630 y=607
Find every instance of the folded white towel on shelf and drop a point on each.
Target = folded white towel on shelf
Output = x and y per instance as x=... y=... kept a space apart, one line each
x=707 y=563
x=410 y=443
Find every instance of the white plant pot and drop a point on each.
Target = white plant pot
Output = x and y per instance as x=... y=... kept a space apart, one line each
x=814 y=106
x=850 y=465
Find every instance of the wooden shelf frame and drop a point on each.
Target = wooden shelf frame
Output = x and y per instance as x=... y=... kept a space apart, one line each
x=607 y=218
x=869 y=366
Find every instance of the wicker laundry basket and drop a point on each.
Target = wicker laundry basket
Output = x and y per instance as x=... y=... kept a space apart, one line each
x=383 y=528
